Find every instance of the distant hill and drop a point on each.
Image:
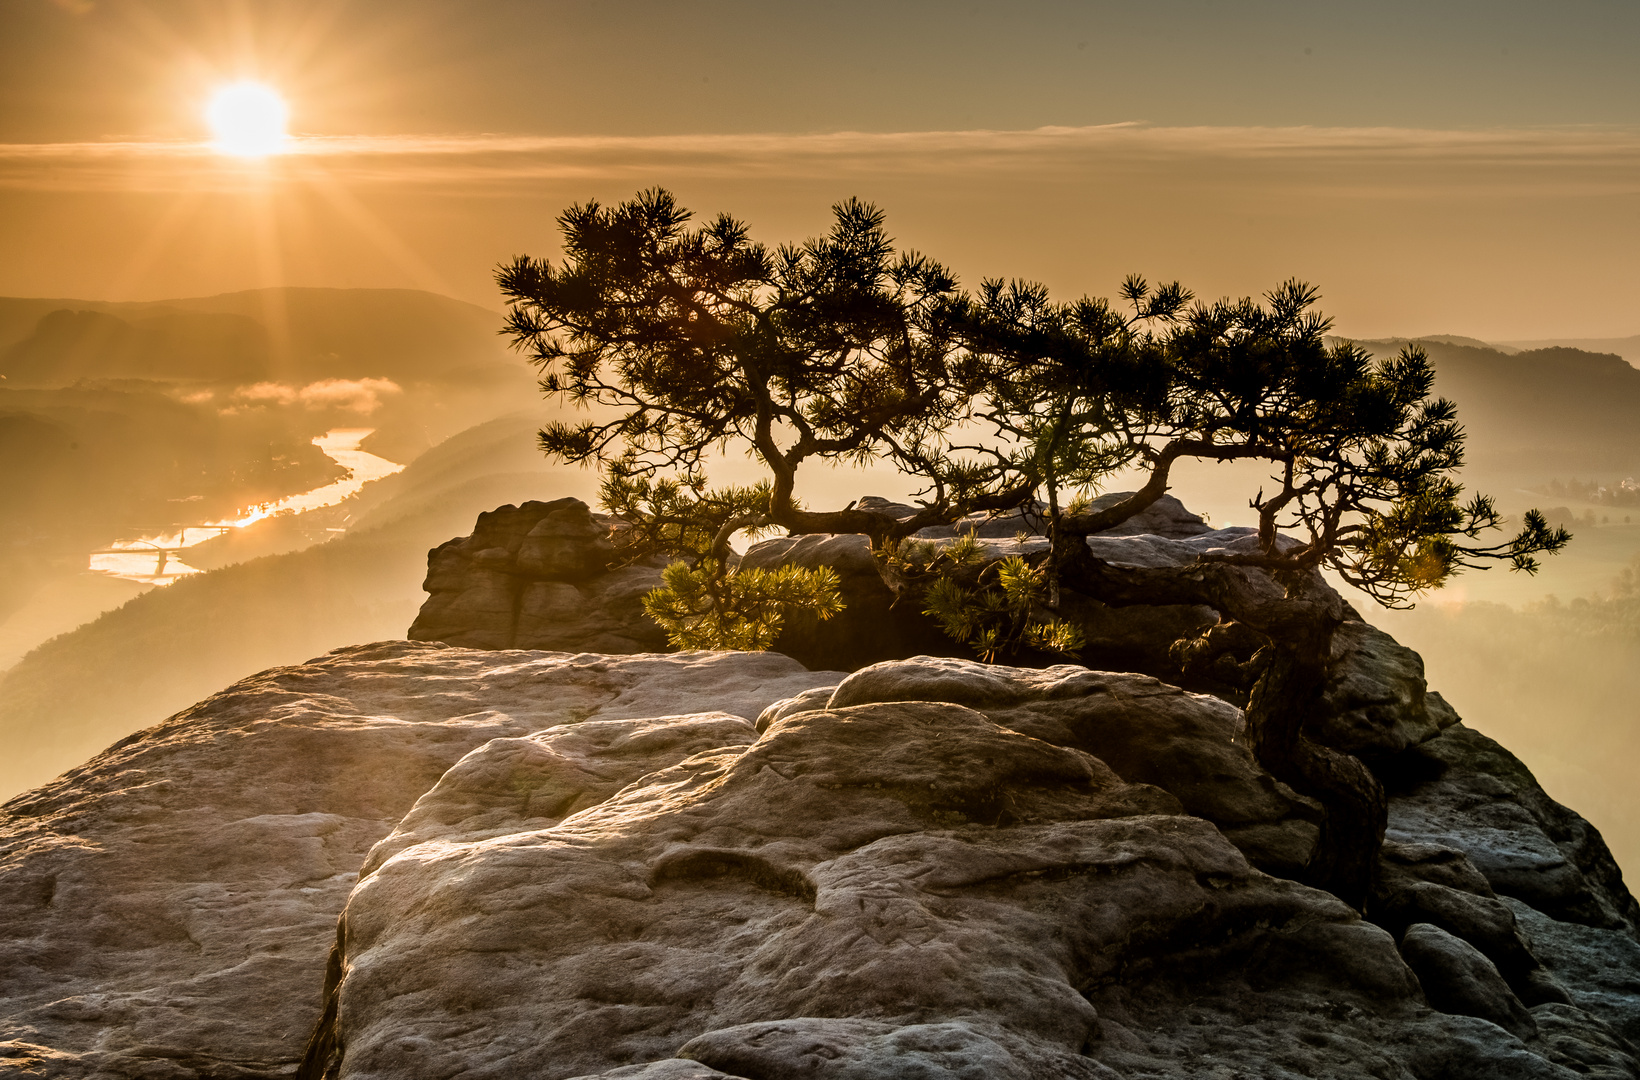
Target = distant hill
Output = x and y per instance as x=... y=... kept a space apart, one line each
x=117 y=417
x=1626 y=347
x=169 y=647
x=1459 y=339
x=1538 y=412
x=287 y=334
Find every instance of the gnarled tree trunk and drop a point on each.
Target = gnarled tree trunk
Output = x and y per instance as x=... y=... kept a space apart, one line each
x=1292 y=672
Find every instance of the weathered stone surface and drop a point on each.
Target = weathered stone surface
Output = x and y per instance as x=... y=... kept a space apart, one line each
x=889 y=884
x=167 y=908
x=872 y=627
x=670 y=1069
x=1584 y=1043
x=1599 y=968
x=939 y=887
x=1148 y=731
x=1377 y=702
x=1464 y=791
x=534 y=576
x=1166 y=517
x=538 y=576
x=1458 y=978
x=587 y=865
x=1428 y=883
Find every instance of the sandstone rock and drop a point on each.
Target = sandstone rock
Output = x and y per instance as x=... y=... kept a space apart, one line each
x=538 y=576
x=874 y=862
x=534 y=576
x=1458 y=978
x=884 y=885
x=1166 y=517
x=589 y=865
x=1584 y=1043
x=1428 y=883
x=1377 y=702
x=166 y=909
x=1463 y=791
x=873 y=1050
x=1600 y=968
x=669 y=1069
x=1146 y=730
x=871 y=626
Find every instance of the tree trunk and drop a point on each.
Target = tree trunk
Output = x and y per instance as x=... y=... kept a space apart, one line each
x=1286 y=694
x=1299 y=628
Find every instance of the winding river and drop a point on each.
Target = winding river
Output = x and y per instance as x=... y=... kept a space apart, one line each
x=154 y=560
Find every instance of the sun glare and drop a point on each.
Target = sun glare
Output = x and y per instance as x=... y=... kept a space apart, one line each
x=248 y=119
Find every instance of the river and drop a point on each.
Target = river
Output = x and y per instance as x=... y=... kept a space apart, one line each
x=153 y=560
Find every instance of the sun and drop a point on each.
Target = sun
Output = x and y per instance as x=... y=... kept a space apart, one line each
x=248 y=119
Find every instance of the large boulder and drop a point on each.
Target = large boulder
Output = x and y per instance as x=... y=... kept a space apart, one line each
x=709 y=864
x=166 y=909
x=543 y=575
x=1148 y=731
x=924 y=872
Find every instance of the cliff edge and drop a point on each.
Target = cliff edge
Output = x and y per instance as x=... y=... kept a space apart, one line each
x=412 y=859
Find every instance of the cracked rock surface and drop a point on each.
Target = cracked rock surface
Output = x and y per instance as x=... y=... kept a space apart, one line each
x=937 y=869
x=705 y=865
x=167 y=908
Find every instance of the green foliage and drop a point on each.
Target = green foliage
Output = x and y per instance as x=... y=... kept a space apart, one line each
x=682 y=341
x=678 y=514
x=996 y=608
x=706 y=607
x=685 y=340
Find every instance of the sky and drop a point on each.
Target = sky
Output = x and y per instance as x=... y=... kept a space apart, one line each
x=1465 y=168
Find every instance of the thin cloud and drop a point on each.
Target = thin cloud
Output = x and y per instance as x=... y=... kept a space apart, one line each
x=1588 y=159
x=362 y=396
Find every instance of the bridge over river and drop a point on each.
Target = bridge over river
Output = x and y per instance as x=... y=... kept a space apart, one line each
x=153 y=558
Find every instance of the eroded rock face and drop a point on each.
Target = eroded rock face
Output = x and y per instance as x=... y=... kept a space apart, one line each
x=1377 y=703
x=1146 y=730
x=676 y=867
x=895 y=860
x=872 y=627
x=538 y=576
x=535 y=576
x=934 y=869
x=1464 y=792
x=166 y=910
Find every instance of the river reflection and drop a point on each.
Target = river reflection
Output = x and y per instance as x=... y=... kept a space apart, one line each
x=154 y=559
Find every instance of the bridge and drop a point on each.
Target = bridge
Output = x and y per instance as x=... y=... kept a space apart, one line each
x=181 y=540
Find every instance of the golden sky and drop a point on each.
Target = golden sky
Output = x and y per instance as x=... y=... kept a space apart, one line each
x=1434 y=168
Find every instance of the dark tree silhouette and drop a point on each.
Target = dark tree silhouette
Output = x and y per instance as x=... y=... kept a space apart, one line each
x=685 y=340
x=1363 y=458
x=682 y=341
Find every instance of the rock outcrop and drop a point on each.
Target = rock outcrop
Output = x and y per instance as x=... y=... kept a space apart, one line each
x=166 y=909
x=946 y=870
x=538 y=576
x=418 y=860
x=713 y=864
x=873 y=627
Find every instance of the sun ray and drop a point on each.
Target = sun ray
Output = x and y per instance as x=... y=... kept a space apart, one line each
x=383 y=238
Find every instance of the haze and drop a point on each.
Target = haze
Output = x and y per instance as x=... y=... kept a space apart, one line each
x=1464 y=170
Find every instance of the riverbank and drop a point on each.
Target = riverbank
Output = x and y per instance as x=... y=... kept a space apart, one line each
x=156 y=559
